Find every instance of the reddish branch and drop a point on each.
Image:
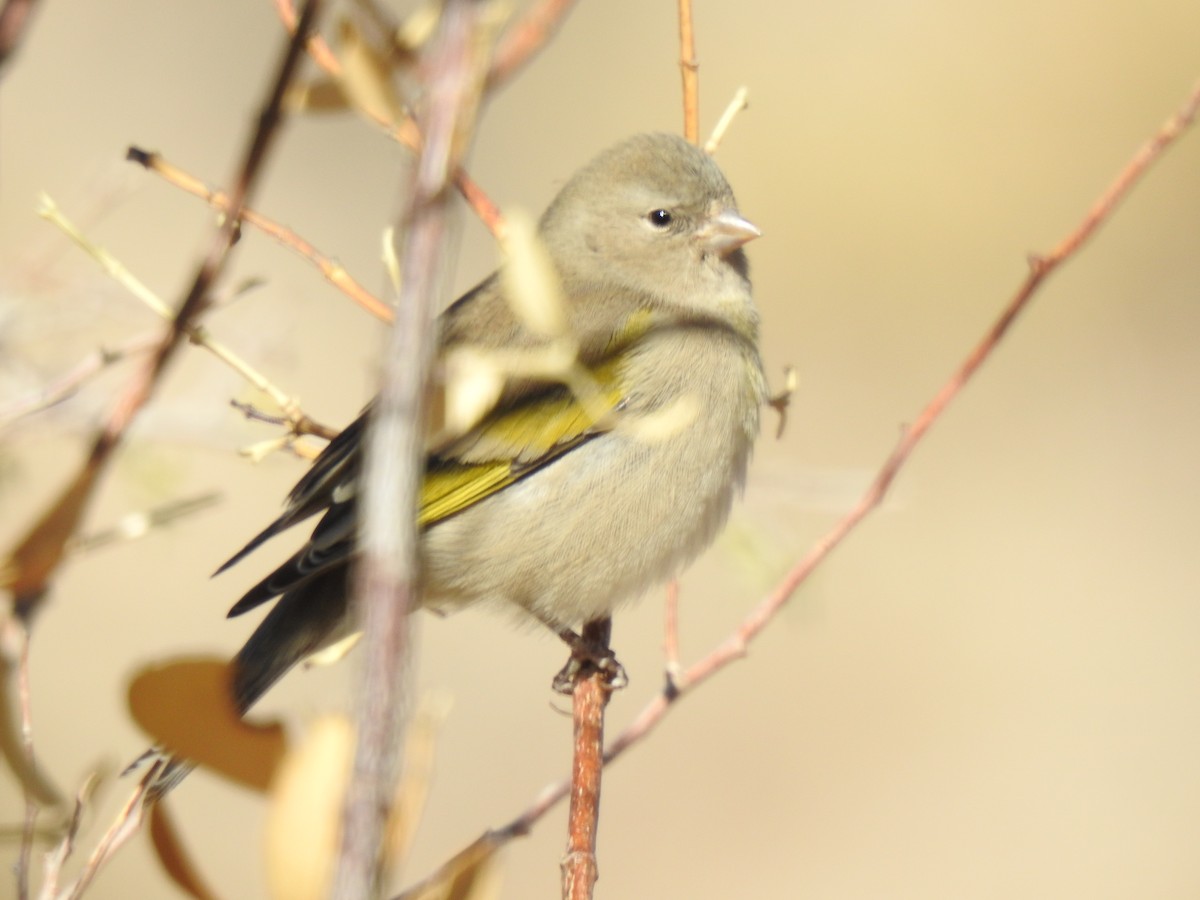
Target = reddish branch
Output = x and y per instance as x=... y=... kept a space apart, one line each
x=517 y=47
x=690 y=70
x=334 y=273
x=735 y=646
x=526 y=38
x=34 y=561
x=14 y=22
x=590 y=696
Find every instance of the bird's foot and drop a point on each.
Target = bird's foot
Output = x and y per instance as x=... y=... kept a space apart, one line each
x=588 y=657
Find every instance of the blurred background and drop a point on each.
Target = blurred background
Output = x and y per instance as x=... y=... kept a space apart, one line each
x=991 y=690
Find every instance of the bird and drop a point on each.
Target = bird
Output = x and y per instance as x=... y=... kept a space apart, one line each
x=557 y=507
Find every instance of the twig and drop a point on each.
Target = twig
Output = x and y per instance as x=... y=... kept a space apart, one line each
x=691 y=73
x=125 y=826
x=404 y=132
x=135 y=525
x=31 y=801
x=196 y=334
x=590 y=695
x=783 y=399
x=66 y=384
x=387 y=569
x=56 y=858
x=526 y=38
x=316 y=46
x=14 y=21
x=299 y=426
x=736 y=105
x=34 y=562
x=671 y=634
x=734 y=647
x=333 y=271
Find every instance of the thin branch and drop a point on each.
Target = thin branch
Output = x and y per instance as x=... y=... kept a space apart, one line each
x=739 y=102
x=590 y=696
x=14 y=23
x=404 y=132
x=298 y=426
x=301 y=423
x=387 y=570
x=134 y=525
x=671 y=633
x=316 y=46
x=332 y=270
x=783 y=399
x=691 y=73
x=32 y=565
x=524 y=39
x=32 y=804
x=734 y=647
x=36 y=558
x=56 y=858
x=124 y=826
x=65 y=385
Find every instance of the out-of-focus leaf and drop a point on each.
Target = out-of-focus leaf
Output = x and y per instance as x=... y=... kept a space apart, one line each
x=321 y=95
x=367 y=76
x=305 y=812
x=470 y=875
x=31 y=564
x=473 y=382
x=186 y=706
x=420 y=750
x=531 y=283
x=173 y=855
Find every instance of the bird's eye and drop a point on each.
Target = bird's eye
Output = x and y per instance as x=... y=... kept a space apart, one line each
x=659 y=218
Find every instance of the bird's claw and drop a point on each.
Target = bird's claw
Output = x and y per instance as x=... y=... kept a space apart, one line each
x=585 y=661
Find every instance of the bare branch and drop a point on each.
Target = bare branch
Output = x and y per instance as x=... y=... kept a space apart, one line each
x=32 y=565
x=524 y=39
x=387 y=573
x=736 y=105
x=734 y=647
x=66 y=384
x=14 y=22
x=333 y=271
x=691 y=73
x=404 y=132
x=590 y=696
x=196 y=334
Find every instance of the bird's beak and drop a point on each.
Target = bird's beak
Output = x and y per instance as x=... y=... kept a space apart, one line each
x=725 y=231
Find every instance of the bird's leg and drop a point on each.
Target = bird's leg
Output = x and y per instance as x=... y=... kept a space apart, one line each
x=589 y=652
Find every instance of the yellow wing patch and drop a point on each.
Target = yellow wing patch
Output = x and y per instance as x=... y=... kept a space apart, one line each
x=450 y=488
x=509 y=445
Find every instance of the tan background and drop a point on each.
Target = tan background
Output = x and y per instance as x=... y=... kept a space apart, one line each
x=993 y=690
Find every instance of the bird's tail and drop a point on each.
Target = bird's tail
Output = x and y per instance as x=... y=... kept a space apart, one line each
x=311 y=616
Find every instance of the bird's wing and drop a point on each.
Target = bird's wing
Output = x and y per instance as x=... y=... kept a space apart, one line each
x=506 y=446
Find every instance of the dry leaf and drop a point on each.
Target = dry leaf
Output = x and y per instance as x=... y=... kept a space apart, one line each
x=186 y=706
x=367 y=76
x=173 y=856
x=305 y=810
x=420 y=746
x=470 y=875
x=321 y=95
